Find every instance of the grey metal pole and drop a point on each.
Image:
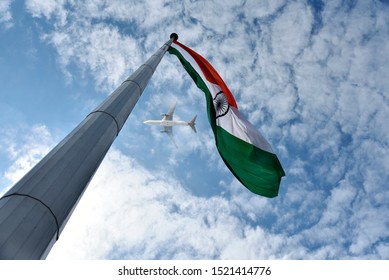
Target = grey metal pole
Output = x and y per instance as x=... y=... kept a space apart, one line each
x=35 y=210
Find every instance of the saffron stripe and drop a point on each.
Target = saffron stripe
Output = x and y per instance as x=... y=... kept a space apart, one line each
x=209 y=72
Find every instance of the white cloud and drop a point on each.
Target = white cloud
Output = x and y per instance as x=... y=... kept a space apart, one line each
x=51 y=9
x=263 y=8
x=99 y=50
x=24 y=152
x=5 y=13
x=130 y=213
x=146 y=216
x=291 y=32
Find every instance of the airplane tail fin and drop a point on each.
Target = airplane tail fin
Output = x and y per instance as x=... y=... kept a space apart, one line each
x=192 y=124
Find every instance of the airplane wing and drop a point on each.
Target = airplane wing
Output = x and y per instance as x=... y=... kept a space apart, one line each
x=169 y=131
x=169 y=115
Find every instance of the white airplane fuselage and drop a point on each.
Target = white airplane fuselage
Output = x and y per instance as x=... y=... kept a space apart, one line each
x=166 y=123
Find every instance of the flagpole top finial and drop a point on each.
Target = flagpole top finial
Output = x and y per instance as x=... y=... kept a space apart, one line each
x=174 y=36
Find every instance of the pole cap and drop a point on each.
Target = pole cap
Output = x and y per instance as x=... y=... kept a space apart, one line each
x=174 y=36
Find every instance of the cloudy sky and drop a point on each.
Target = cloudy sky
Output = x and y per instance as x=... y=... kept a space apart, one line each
x=312 y=76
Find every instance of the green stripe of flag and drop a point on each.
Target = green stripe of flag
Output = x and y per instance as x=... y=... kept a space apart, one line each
x=257 y=170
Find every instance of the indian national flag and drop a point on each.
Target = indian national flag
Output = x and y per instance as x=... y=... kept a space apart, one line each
x=244 y=150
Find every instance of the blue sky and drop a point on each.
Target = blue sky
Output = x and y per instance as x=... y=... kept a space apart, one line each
x=310 y=75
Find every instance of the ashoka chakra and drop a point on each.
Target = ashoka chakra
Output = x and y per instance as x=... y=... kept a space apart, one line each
x=221 y=104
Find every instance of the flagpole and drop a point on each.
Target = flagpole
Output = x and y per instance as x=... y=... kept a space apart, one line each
x=35 y=210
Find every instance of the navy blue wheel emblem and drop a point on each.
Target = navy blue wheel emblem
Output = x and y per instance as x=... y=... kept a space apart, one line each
x=221 y=104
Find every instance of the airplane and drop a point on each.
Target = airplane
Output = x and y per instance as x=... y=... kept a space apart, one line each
x=168 y=123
